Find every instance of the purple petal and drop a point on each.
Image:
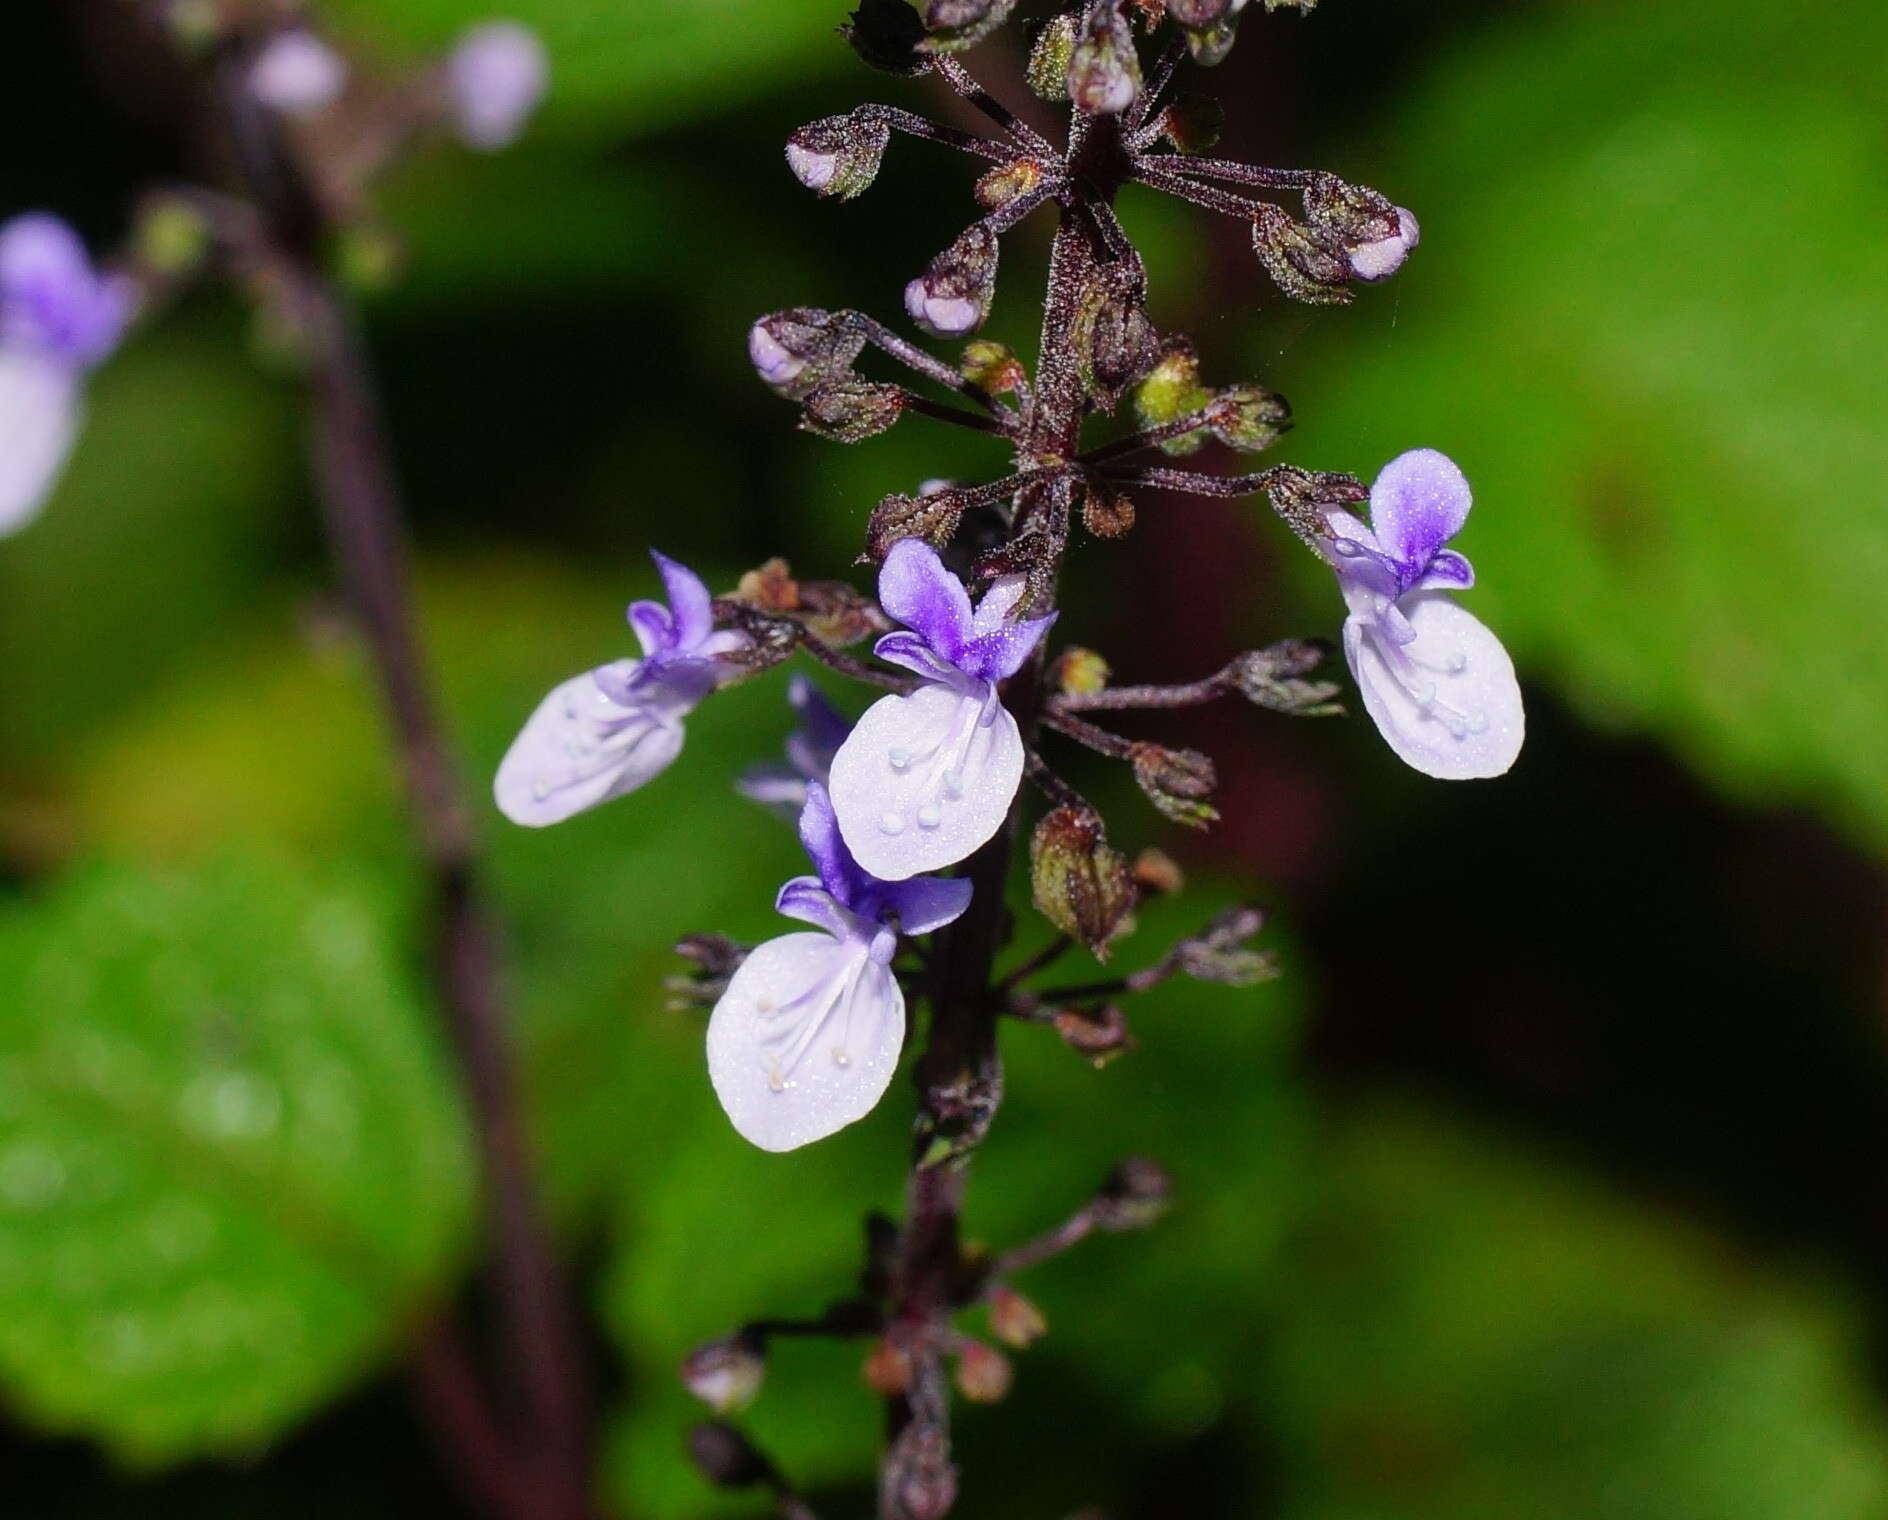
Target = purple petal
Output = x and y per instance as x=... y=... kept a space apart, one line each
x=823 y=728
x=1448 y=571
x=998 y=656
x=1417 y=504
x=781 y=789
x=50 y=297
x=826 y=848
x=654 y=626
x=925 y=903
x=807 y=900
x=805 y=1040
x=915 y=588
x=495 y=78
x=688 y=597
x=40 y=411
x=916 y=655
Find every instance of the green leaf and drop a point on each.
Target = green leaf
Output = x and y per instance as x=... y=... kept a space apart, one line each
x=1462 y=1324
x=1646 y=318
x=232 y=1167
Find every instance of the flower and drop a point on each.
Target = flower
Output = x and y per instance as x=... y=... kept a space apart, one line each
x=495 y=78
x=810 y=751
x=806 y=1038
x=608 y=731
x=59 y=319
x=1379 y=258
x=1438 y=684
x=924 y=779
x=297 y=74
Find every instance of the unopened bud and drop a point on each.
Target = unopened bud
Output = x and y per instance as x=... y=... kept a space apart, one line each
x=887 y=1369
x=1308 y=265
x=1171 y=390
x=952 y=297
x=726 y=1374
x=1193 y=125
x=725 y=1457
x=1219 y=952
x=1249 y=417
x=1177 y=781
x=991 y=367
x=368 y=257
x=1049 y=59
x=958 y=24
x=1210 y=45
x=1197 y=13
x=1156 y=873
x=889 y=35
x=1375 y=235
x=1081 y=883
x=196 y=25
x=797 y=349
x=1079 y=670
x=1014 y=1320
x=1100 y=1034
x=918 y=1481
x=838 y=156
x=1104 y=75
x=1271 y=677
x=848 y=411
x=1135 y=1195
x=1106 y=513
x=172 y=236
x=933 y=518
x=984 y=1374
x=1007 y=181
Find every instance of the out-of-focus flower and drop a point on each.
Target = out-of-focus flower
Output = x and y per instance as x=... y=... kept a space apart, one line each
x=495 y=78
x=297 y=74
x=810 y=750
x=59 y=319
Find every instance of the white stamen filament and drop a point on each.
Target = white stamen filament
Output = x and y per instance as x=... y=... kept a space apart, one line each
x=944 y=776
x=1411 y=674
x=804 y=1018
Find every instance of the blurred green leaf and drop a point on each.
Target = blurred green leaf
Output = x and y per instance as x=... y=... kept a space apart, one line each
x=1461 y=1325
x=621 y=65
x=232 y=1167
x=1647 y=319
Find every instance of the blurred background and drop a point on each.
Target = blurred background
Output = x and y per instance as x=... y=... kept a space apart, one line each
x=1549 y=1179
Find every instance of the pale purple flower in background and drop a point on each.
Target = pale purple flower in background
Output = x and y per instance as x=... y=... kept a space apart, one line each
x=1438 y=684
x=297 y=74
x=807 y=1036
x=495 y=78
x=1382 y=257
x=810 y=750
x=608 y=731
x=925 y=778
x=59 y=318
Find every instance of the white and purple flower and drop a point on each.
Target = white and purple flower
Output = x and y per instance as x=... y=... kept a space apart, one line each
x=59 y=319
x=782 y=787
x=610 y=730
x=808 y=1034
x=495 y=78
x=926 y=778
x=1438 y=684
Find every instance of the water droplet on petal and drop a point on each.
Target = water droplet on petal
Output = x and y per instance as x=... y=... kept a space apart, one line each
x=540 y=788
x=1457 y=664
x=929 y=817
x=891 y=823
x=840 y=1058
x=900 y=759
x=776 y=1082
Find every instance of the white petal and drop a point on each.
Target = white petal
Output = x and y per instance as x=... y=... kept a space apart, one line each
x=579 y=749
x=805 y=1039
x=39 y=418
x=921 y=781
x=1448 y=703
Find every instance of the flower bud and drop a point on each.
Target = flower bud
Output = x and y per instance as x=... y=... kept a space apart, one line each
x=1172 y=390
x=952 y=297
x=1193 y=125
x=1007 y=181
x=851 y=410
x=1157 y=874
x=1049 y=59
x=888 y=35
x=1209 y=45
x=1270 y=678
x=172 y=236
x=958 y=24
x=725 y=1457
x=1219 y=952
x=1308 y=265
x=932 y=517
x=1106 y=513
x=1100 y=1034
x=1014 y=1320
x=918 y=1481
x=838 y=156
x=1135 y=1195
x=1198 y=13
x=1250 y=417
x=797 y=349
x=726 y=1374
x=1375 y=235
x=984 y=1374
x=1079 y=670
x=887 y=1369
x=1104 y=75
x=1177 y=781
x=991 y=367
x=1081 y=883
x=297 y=74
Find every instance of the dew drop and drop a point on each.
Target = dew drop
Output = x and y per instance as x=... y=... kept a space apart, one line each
x=765 y=1005
x=900 y=759
x=891 y=823
x=1458 y=663
x=540 y=788
x=953 y=783
x=929 y=817
x=776 y=1082
x=840 y=1058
